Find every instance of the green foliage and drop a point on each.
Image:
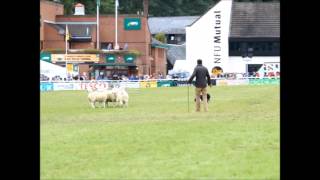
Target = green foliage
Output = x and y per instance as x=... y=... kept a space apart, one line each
x=161 y=37
x=156 y=7
x=54 y=50
x=68 y=6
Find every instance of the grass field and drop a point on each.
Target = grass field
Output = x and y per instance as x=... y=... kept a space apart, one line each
x=156 y=137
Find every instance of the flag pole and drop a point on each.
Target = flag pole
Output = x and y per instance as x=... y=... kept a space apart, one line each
x=98 y=4
x=188 y=97
x=116 y=23
x=65 y=56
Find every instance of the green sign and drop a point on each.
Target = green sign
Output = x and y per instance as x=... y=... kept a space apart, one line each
x=110 y=58
x=164 y=83
x=45 y=57
x=132 y=24
x=264 y=81
x=129 y=58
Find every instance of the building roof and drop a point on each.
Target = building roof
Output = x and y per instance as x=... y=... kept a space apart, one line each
x=80 y=30
x=255 y=19
x=158 y=44
x=176 y=52
x=76 y=30
x=170 y=25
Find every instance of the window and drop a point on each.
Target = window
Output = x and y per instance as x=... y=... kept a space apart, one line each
x=106 y=45
x=269 y=46
x=256 y=46
x=275 y=46
x=263 y=46
x=259 y=47
x=172 y=39
x=178 y=38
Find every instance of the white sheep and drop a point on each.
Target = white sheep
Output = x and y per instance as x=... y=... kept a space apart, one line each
x=122 y=97
x=104 y=97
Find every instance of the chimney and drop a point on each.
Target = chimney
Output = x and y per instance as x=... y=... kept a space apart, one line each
x=145 y=8
x=79 y=9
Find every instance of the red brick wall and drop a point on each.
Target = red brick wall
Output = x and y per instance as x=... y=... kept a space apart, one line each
x=48 y=11
x=83 y=68
x=136 y=39
x=160 y=60
x=51 y=38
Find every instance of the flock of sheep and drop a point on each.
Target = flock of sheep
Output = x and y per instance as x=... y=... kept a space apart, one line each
x=119 y=96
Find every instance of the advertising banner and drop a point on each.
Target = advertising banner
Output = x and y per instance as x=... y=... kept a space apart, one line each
x=130 y=84
x=165 y=83
x=148 y=84
x=46 y=86
x=93 y=85
x=63 y=86
x=78 y=58
x=264 y=81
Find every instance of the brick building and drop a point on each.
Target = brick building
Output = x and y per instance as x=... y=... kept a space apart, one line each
x=137 y=54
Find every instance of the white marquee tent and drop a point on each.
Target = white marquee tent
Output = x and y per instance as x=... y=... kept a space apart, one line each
x=50 y=70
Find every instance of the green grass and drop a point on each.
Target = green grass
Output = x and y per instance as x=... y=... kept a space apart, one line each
x=156 y=137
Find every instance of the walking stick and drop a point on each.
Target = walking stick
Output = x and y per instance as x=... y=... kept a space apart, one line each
x=188 y=96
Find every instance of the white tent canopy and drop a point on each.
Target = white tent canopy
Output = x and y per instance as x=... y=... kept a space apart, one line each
x=182 y=66
x=50 y=70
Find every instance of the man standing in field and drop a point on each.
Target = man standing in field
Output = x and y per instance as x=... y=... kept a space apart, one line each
x=202 y=79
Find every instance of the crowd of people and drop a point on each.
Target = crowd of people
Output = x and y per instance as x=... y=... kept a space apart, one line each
x=131 y=77
x=158 y=76
x=59 y=78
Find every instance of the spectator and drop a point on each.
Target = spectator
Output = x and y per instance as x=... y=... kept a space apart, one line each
x=125 y=47
x=109 y=46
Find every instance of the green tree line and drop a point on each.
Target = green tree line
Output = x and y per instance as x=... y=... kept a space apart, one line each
x=156 y=7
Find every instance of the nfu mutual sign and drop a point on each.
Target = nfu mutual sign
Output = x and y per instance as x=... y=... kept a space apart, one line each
x=221 y=20
x=217 y=37
x=208 y=37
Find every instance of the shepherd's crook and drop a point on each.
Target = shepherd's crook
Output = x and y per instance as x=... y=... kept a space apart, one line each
x=188 y=96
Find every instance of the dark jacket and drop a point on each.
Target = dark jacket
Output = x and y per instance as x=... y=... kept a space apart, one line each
x=202 y=76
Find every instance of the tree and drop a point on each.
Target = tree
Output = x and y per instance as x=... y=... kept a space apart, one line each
x=161 y=37
x=68 y=6
x=156 y=7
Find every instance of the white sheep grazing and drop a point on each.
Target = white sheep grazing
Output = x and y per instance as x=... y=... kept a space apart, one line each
x=99 y=96
x=112 y=96
x=122 y=97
